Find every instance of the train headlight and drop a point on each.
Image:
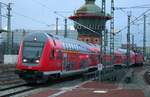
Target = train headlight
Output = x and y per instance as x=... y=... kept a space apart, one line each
x=24 y=60
x=37 y=61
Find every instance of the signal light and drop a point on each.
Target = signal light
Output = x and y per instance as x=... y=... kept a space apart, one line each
x=24 y=60
x=35 y=38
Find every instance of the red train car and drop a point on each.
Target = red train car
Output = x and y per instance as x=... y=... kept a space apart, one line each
x=136 y=58
x=42 y=56
x=139 y=59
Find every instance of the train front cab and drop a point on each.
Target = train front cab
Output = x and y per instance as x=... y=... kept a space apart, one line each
x=33 y=61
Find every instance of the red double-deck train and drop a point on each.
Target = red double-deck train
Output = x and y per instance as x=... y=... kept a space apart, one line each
x=43 y=55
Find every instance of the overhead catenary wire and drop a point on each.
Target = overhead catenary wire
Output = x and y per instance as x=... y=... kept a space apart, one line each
x=141 y=23
x=25 y=16
x=46 y=7
x=36 y=20
x=117 y=8
x=33 y=19
x=133 y=21
x=43 y=5
x=143 y=5
x=127 y=13
x=4 y=4
x=56 y=12
x=78 y=23
x=4 y=16
x=134 y=7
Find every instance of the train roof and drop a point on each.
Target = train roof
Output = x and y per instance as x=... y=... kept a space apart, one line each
x=72 y=42
x=80 y=45
x=90 y=46
x=41 y=37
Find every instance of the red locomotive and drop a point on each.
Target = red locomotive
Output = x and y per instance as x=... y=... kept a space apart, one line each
x=43 y=55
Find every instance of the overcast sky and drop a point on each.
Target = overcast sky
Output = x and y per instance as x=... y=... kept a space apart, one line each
x=39 y=14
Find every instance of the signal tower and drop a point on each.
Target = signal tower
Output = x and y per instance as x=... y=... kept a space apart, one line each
x=93 y=17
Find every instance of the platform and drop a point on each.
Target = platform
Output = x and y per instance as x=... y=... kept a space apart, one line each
x=45 y=93
x=92 y=89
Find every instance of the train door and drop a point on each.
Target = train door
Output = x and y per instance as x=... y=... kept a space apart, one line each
x=84 y=61
x=59 y=58
x=65 y=63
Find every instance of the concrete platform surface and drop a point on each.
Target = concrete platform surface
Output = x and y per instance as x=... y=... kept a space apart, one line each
x=45 y=93
x=92 y=89
x=99 y=85
x=113 y=93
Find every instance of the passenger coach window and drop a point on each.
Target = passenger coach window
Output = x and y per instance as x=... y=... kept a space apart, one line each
x=54 y=42
x=32 y=50
x=52 y=54
x=69 y=46
x=59 y=54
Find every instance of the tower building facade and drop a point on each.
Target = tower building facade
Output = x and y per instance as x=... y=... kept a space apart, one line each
x=90 y=16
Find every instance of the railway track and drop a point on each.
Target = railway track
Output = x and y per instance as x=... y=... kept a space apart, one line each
x=26 y=88
x=15 y=90
x=9 y=78
x=12 y=86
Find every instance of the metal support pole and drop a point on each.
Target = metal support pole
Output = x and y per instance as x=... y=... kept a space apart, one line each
x=144 y=38
x=56 y=26
x=102 y=37
x=106 y=38
x=105 y=43
x=128 y=42
x=65 y=34
x=0 y=15
x=112 y=32
x=103 y=47
x=12 y=42
x=133 y=42
x=9 y=29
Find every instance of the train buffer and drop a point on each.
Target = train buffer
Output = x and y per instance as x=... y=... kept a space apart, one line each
x=129 y=76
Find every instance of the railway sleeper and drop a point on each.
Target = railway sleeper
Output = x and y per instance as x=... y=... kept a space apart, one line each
x=8 y=78
x=11 y=82
x=7 y=75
